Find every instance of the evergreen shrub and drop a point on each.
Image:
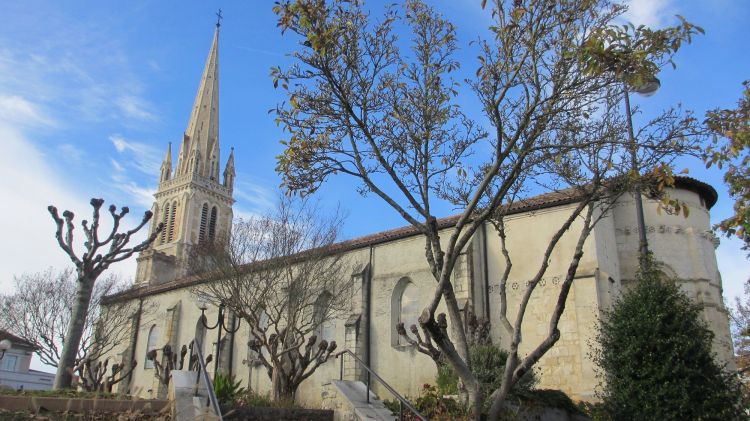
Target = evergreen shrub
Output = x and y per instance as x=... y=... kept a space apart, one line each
x=655 y=354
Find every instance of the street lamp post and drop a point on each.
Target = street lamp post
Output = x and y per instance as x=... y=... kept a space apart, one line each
x=5 y=345
x=647 y=89
x=221 y=326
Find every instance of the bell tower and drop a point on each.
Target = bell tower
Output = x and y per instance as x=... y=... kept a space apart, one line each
x=191 y=201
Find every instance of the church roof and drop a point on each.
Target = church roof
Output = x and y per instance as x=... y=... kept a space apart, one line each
x=543 y=201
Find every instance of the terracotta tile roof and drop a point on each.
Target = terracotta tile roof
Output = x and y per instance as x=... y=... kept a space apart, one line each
x=542 y=201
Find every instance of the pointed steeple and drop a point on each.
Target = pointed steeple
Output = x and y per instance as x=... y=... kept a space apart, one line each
x=202 y=134
x=229 y=172
x=191 y=200
x=166 y=166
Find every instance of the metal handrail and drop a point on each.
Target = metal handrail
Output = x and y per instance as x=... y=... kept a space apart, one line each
x=203 y=374
x=402 y=402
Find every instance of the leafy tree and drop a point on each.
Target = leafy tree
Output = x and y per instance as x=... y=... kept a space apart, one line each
x=278 y=275
x=98 y=255
x=366 y=104
x=731 y=149
x=655 y=353
x=635 y=55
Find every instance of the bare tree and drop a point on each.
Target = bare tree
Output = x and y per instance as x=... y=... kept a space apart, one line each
x=278 y=274
x=97 y=256
x=365 y=103
x=39 y=311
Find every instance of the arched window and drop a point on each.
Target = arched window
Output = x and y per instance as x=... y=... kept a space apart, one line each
x=153 y=337
x=172 y=215
x=325 y=324
x=405 y=308
x=204 y=223
x=164 y=221
x=212 y=224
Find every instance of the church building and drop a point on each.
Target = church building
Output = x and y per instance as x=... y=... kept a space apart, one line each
x=391 y=278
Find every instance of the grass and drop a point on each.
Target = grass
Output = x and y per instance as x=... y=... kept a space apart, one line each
x=6 y=415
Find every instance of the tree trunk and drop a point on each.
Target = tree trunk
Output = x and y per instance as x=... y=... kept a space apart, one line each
x=476 y=402
x=283 y=389
x=501 y=394
x=64 y=375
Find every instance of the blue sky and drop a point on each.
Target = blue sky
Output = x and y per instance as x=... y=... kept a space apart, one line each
x=91 y=92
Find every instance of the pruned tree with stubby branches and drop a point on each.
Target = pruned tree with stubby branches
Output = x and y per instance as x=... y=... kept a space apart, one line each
x=97 y=255
x=95 y=376
x=163 y=367
x=378 y=100
x=40 y=308
x=278 y=274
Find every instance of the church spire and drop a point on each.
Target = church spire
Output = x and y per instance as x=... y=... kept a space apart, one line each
x=166 y=166
x=202 y=134
x=229 y=173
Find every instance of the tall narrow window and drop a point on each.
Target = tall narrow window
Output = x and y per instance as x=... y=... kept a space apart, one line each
x=404 y=308
x=204 y=223
x=409 y=313
x=172 y=215
x=212 y=224
x=153 y=336
x=164 y=221
x=323 y=319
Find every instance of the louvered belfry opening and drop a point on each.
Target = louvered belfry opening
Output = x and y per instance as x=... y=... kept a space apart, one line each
x=172 y=216
x=212 y=224
x=204 y=222
x=164 y=220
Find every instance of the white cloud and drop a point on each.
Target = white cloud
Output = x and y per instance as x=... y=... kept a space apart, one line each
x=137 y=156
x=652 y=13
x=71 y=153
x=136 y=108
x=74 y=82
x=117 y=166
x=141 y=156
x=143 y=196
x=17 y=110
x=254 y=194
x=32 y=185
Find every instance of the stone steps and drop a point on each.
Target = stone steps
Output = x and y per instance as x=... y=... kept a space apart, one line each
x=349 y=400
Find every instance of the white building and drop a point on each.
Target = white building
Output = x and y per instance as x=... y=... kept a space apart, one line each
x=14 y=366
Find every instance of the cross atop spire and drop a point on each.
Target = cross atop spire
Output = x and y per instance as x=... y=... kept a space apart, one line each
x=219 y=17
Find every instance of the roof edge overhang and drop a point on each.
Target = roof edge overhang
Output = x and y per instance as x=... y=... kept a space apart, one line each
x=543 y=201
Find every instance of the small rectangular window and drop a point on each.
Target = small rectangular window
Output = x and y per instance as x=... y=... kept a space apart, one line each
x=9 y=363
